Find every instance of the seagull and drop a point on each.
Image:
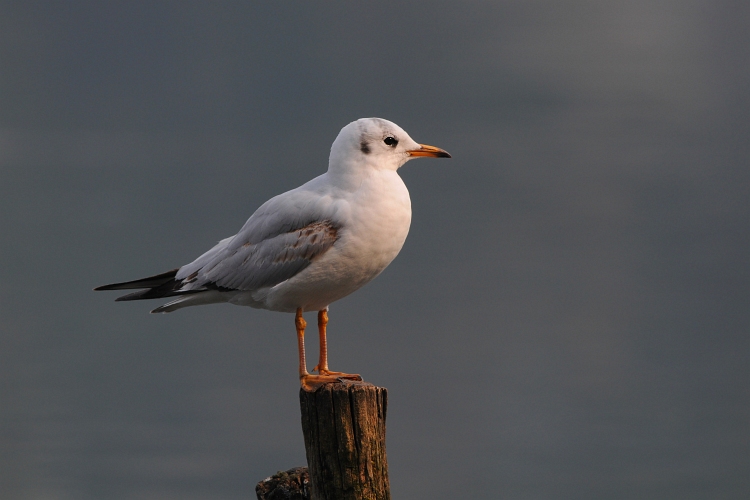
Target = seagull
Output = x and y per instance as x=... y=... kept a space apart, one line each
x=308 y=247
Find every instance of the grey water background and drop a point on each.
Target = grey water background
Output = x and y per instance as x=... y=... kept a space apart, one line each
x=568 y=318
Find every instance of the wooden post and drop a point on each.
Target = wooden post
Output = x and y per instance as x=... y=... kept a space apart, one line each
x=344 y=428
x=293 y=484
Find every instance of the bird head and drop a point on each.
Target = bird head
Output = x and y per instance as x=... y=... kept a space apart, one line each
x=377 y=143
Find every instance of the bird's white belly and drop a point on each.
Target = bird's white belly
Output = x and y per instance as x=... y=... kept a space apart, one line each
x=373 y=234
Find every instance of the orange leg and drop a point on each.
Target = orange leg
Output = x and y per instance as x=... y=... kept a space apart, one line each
x=311 y=382
x=323 y=358
x=322 y=366
x=300 y=323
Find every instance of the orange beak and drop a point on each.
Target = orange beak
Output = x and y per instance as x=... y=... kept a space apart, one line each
x=426 y=150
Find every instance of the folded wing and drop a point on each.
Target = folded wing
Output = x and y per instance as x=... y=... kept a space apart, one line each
x=239 y=264
x=250 y=266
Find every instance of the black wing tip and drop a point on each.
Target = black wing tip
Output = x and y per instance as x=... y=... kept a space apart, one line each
x=133 y=296
x=150 y=282
x=129 y=296
x=106 y=287
x=157 y=293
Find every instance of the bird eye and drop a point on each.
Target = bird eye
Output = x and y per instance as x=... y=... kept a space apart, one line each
x=390 y=141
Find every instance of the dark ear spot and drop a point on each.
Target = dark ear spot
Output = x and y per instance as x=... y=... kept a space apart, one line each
x=364 y=147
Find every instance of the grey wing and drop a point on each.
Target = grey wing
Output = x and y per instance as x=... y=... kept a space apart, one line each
x=271 y=261
x=273 y=246
x=189 y=271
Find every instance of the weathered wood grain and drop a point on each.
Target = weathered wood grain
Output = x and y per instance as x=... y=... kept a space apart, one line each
x=344 y=429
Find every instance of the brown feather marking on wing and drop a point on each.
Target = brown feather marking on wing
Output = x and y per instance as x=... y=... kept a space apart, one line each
x=322 y=233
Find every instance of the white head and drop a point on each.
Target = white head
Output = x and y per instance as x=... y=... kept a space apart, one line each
x=376 y=143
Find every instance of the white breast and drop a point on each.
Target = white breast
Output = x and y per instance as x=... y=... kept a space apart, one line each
x=375 y=220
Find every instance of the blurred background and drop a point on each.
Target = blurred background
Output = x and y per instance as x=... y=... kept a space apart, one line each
x=568 y=318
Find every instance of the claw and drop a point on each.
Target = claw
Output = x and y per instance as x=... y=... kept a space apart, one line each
x=348 y=376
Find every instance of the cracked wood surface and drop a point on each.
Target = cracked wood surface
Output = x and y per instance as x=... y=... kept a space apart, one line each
x=344 y=428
